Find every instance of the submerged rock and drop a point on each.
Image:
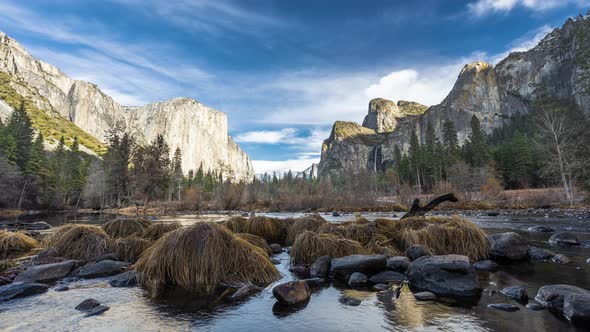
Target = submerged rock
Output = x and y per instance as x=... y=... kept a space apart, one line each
x=398 y=263
x=358 y=279
x=335 y=214
x=276 y=248
x=446 y=276
x=87 y=305
x=535 y=306
x=542 y=229
x=536 y=253
x=315 y=282
x=487 y=265
x=321 y=267
x=517 y=293
x=127 y=279
x=508 y=246
x=425 y=296
x=97 y=310
x=561 y=259
x=102 y=269
x=564 y=238
x=367 y=264
x=46 y=272
x=504 y=307
x=292 y=292
x=576 y=308
x=553 y=296
x=349 y=300
x=21 y=289
x=380 y=287
x=386 y=277
x=416 y=251
x=300 y=270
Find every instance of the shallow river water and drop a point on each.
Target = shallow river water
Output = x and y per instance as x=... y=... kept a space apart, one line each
x=132 y=310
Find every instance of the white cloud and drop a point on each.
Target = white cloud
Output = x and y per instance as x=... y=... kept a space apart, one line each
x=485 y=7
x=267 y=136
x=283 y=166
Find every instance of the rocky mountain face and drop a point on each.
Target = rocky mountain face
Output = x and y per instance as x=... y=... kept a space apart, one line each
x=199 y=131
x=559 y=66
x=309 y=173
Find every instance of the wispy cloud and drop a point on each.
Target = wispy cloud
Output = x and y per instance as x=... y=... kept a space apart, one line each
x=486 y=7
x=281 y=167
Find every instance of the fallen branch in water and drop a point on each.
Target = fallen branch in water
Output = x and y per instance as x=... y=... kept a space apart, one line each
x=417 y=210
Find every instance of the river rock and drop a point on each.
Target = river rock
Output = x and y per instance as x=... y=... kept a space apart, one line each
x=535 y=306
x=21 y=289
x=357 y=279
x=87 y=305
x=553 y=296
x=102 y=269
x=504 y=307
x=349 y=300
x=508 y=246
x=446 y=276
x=292 y=292
x=321 y=267
x=108 y=257
x=300 y=270
x=37 y=226
x=276 y=248
x=367 y=264
x=425 y=296
x=487 y=265
x=561 y=259
x=315 y=282
x=576 y=308
x=127 y=279
x=386 y=277
x=380 y=287
x=416 y=251
x=398 y=263
x=97 y=310
x=540 y=254
x=564 y=238
x=275 y=261
x=335 y=214
x=46 y=272
x=61 y=288
x=517 y=293
x=541 y=229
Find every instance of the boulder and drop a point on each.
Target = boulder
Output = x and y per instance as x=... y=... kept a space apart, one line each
x=127 y=279
x=102 y=269
x=517 y=293
x=21 y=289
x=276 y=248
x=335 y=214
x=97 y=310
x=539 y=254
x=380 y=287
x=541 y=229
x=487 y=265
x=300 y=270
x=504 y=307
x=398 y=263
x=321 y=267
x=46 y=272
x=416 y=251
x=576 y=308
x=349 y=300
x=292 y=292
x=446 y=276
x=564 y=238
x=358 y=279
x=508 y=246
x=386 y=277
x=315 y=282
x=87 y=305
x=425 y=296
x=534 y=306
x=553 y=296
x=561 y=259
x=109 y=257
x=367 y=264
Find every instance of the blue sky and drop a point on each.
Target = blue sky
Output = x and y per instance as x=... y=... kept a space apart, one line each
x=283 y=71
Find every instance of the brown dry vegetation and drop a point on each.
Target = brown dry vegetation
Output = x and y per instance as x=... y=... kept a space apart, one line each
x=309 y=246
x=124 y=227
x=235 y=224
x=12 y=243
x=305 y=223
x=129 y=249
x=255 y=241
x=82 y=242
x=270 y=229
x=157 y=230
x=201 y=258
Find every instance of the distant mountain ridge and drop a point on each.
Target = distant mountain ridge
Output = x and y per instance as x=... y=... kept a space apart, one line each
x=559 y=66
x=199 y=131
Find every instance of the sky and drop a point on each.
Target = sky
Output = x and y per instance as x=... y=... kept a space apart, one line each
x=283 y=71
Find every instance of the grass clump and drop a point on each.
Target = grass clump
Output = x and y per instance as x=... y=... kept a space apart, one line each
x=255 y=240
x=235 y=224
x=14 y=243
x=129 y=249
x=270 y=229
x=123 y=227
x=157 y=230
x=81 y=242
x=307 y=223
x=309 y=246
x=203 y=257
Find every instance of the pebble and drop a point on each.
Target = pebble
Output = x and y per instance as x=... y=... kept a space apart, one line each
x=349 y=300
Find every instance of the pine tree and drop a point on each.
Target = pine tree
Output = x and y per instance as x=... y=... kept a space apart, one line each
x=415 y=156
x=477 y=151
x=75 y=173
x=177 y=175
x=19 y=126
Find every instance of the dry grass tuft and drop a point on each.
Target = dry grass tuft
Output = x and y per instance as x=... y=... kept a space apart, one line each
x=82 y=242
x=379 y=244
x=235 y=224
x=129 y=249
x=309 y=246
x=157 y=230
x=123 y=227
x=12 y=243
x=255 y=240
x=307 y=223
x=203 y=257
x=270 y=229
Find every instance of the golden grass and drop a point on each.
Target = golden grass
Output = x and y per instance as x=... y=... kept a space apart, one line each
x=255 y=240
x=82 y=242
x=270 y=229
x=124 y=227
x=307 y=223
x=358 y=231
x=380 y=244
x=157 y=230
x=235 y=224
x=448 y=235
x=12 y=243
x=203 y=257
x=129 y=249
x=309 y=246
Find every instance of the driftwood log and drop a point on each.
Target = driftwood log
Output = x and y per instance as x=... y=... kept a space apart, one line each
x=417 y=210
